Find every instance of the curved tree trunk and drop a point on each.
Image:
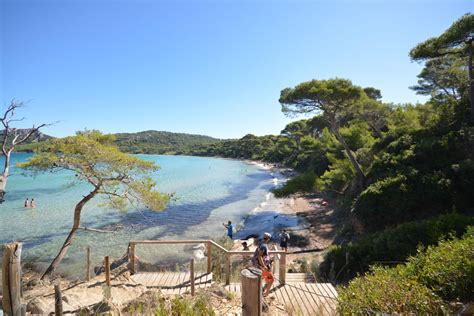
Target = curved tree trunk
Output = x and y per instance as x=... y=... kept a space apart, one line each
x=4 y=176
x=67 y=243
x=361 y=178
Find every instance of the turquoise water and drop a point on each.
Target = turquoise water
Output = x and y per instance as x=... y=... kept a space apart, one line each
x=208 y=192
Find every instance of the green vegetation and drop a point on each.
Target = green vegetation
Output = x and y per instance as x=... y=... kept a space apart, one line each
x=388 y=290
x=394 y=245
x=423 y=285
x=448 y=268
x=152 y=303
x=300 y=183
x=157 y=142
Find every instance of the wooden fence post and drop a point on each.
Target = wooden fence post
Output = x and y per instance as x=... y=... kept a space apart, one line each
x=58 y=300
x=282 y=267
x=209 y=257
x=88 y=263
x=192 y=276
x=227 y=269
x=11 y=279
x=251 y=292
x=132 y=258
x=107 y=270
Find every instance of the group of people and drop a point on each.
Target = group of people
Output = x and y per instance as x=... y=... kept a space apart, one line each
x=261 y=258
x=31 y=204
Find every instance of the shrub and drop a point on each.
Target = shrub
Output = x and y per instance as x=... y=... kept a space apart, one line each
x=387 y=290
x=448 y=268
x=301 y=183
x=392 y=245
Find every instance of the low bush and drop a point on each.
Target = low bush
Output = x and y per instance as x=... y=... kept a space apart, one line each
x=448 y=268
x=391 y=246
x=153 y=304
x=387 y=291
x=424 y=285
x=301 y=183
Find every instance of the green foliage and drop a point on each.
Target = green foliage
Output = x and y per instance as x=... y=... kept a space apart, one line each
x=416 y=175
x=451 y=41
x=158 y=142
x=300 y=183
x=153 y=304
x=337 y=178
x=332 y=97
x=388 y=291
x=392 y=245
x=94 y=158
x=441 y=272
x=448 y=268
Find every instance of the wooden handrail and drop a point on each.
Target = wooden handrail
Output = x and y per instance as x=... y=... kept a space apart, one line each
x=208 y=242
x=200 y=241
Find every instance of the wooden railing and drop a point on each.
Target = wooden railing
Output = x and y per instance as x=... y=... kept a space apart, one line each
x=209 y=243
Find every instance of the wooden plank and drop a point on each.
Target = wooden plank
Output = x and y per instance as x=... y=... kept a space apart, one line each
x=332 y=289
x=313 y=301
x=319 y=296
x=107 y=270
x=297 y=295
x=192 y=274
x=88 y=263
x=302 y=294
x=278 y=297
x=154 y=279
x=174 y=280
x=137 y=278
x=165 y=279
x=251 y=293
x=182 y=279
x=307 y=299
x=331 y=303
x=148 y=278
x=58 y=301
x=289 y=301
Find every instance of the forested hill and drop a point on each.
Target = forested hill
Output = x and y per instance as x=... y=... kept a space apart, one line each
x=149 y=142
x=160 y=142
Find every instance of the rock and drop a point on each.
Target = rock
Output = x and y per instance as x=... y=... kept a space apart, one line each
x=40 y=306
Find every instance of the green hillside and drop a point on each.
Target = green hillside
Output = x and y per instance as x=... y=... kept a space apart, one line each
x=159 y=142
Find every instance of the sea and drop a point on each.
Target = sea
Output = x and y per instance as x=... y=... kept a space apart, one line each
x=207 y=192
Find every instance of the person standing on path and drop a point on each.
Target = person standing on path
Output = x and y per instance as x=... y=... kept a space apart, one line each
x=262 y=260
x=229 y=228
x=284 y=239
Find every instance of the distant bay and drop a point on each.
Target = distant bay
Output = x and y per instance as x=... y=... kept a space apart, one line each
x=207 y=192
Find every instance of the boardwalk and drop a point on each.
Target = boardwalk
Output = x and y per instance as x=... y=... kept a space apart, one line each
x=172 y=282
x=301 y=295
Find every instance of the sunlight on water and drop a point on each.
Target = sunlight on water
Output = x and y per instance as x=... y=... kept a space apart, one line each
x=208 y=192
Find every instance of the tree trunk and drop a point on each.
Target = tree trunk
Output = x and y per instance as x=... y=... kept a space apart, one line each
x=360 y=174
x=67 y=243
x=4 y=176
x=471 y=80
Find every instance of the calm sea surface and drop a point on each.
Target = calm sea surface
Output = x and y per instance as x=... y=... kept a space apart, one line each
x=208 y=192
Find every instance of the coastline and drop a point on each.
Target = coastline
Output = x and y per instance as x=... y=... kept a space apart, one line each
x=312 y=223
x=300 y=214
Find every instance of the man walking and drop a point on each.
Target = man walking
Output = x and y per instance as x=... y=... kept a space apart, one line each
x=229 y=229
x=262 y=260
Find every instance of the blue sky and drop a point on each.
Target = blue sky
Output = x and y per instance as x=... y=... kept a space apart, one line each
x=206 y=67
